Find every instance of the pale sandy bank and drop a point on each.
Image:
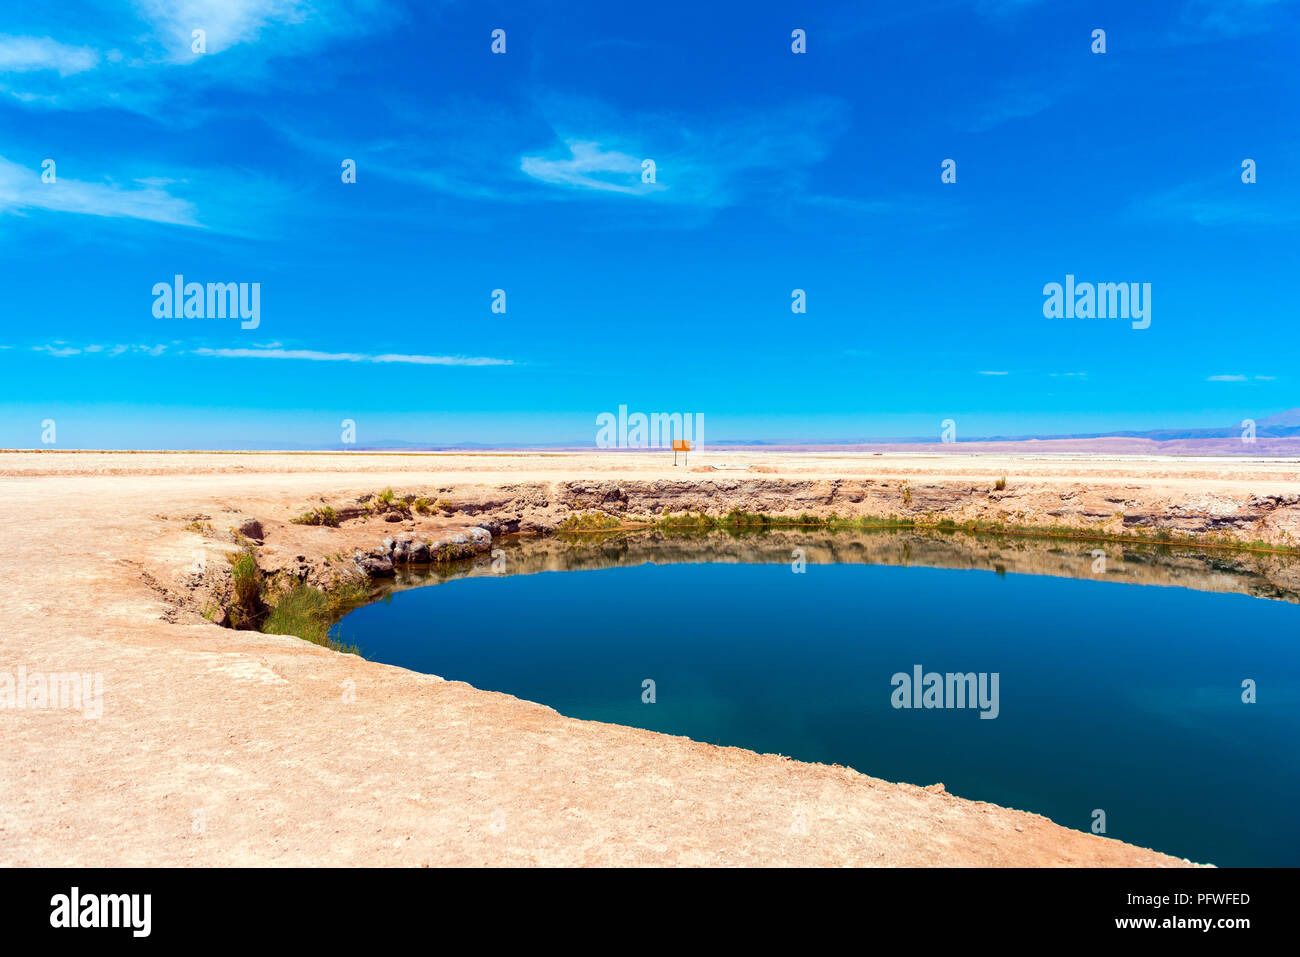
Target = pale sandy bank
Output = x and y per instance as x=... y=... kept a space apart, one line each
x=222 y=747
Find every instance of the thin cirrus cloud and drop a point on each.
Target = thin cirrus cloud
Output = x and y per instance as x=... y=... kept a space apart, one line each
x=140 y=45
x=234 y=202
x=1239 y=378
x=1222 y=201
x=225 y=23
x=700 y=163
x=1011 y=105
x=302 y=25
x=589 y=166
x=22 y=189
x=312 y=355
x=22 y=54
x=1203 y=20
x=564 y=148
x=61 y=350
x=271 y=350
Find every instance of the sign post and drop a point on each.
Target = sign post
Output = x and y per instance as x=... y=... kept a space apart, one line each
x=683 y=446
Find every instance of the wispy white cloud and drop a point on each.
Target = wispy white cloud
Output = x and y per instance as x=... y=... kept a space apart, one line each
x=564 y=148
x=224 y=22
x=312 y=355
x=705 y=162
x=1227 y=378
x=144 y=48
x=62 y=350
x=1203 y=20
x=589 y=166
x=19 y=54
x=21 y=189
x=1221 y=201
x=1012 y=105
x=1009 y=101
x=994 y=373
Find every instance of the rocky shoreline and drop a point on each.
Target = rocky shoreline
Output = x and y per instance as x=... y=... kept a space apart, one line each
x=463 y=520
x=408 y=549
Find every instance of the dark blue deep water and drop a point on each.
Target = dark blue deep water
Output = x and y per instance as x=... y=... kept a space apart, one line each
x=1119 y=697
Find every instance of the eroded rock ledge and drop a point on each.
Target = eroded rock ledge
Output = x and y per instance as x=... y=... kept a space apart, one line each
x=411 y=549
x=372 y=535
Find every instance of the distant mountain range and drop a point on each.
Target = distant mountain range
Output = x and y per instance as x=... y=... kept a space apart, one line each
x=1282 y=425
x=1277 y=434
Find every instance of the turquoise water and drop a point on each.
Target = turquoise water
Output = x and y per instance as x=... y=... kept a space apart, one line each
x=1111 y=696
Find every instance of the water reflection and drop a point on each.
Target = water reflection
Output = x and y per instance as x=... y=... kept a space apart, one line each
x=1258 y=574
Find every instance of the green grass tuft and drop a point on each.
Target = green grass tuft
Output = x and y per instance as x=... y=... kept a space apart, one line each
x=325 y=515
x=247 y=607
x=304 y=611
x=588 y=522
x=308 y=612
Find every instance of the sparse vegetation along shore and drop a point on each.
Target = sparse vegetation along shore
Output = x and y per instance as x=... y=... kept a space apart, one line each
x=738 y=520
x=301 y=610
x=324 y=515
x=308 y=611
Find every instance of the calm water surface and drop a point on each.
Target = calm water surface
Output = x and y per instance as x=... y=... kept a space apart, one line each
x=1119 y=690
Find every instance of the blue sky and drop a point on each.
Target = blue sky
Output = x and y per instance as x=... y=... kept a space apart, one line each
x=774 y=171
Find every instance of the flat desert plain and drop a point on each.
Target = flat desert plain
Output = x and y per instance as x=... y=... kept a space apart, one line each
x=224 y=747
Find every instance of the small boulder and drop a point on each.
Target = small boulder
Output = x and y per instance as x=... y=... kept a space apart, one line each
x=377 y=567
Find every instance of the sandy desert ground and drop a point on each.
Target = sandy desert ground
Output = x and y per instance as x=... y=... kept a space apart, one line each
x=222 y=747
